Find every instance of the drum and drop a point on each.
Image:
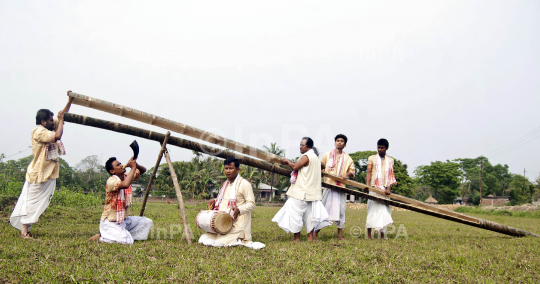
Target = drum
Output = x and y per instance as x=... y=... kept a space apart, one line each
x=217 y=222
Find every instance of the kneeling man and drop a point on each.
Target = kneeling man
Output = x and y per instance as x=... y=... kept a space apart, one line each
x=235 y=196
x=116 y=225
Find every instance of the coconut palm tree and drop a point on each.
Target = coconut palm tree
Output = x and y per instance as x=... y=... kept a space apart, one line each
x=276 y=150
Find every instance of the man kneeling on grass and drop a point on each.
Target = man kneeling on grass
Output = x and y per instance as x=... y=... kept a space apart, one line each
x=116 y=226
x=235 y=197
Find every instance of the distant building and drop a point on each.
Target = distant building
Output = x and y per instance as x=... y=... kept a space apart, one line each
x=266 y=191
x=495 y=200
x=465 y=200
x=431 y=200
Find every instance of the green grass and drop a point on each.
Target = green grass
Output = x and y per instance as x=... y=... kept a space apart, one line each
x=498 y=212
x=436 y=251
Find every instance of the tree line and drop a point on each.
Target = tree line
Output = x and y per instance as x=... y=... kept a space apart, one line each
x=202 y=176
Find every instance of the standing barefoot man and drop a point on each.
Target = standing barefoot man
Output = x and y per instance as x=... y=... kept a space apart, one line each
x=42 y=172
x=380 y=174
x=304 y=206
x=340 y=164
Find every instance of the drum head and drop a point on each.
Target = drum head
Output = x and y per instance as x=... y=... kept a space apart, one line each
x=222 y=223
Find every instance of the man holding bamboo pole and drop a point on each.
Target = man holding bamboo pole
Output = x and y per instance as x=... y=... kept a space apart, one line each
x=340 y=164
x=42 y=172
x=235 y=197
x=380 y=174
x=304 y=206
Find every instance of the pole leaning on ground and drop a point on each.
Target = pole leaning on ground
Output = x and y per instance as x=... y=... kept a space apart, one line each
x=187 y=144
x=187 y=232
x=160 y=155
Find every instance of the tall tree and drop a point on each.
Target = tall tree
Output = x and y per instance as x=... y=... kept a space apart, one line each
x=444 y=178
x=276 y=150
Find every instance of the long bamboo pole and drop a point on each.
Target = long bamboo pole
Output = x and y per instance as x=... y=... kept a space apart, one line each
x=479 y=223
x=399 y=197
x=181 y=128
x=141 y=116
x=187 y=233
x=142 y=133
x=160 y=155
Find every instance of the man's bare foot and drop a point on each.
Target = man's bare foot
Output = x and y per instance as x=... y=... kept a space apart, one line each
x=310 y=236
x=95 y=237
x=296 y=240
x=340 y=234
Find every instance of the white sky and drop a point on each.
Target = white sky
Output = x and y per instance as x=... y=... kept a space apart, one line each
x=439 y=80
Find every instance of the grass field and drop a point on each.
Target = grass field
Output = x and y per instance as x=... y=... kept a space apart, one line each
x=436 y=251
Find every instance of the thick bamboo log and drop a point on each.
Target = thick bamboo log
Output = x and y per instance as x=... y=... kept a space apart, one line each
x=181 y=128
x=142 y=133
x=187 y=233
x=479 y=223
x=141 y=116
x=160 y=155
x=401 y=198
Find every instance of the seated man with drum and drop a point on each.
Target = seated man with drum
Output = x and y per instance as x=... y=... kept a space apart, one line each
x=228 y=222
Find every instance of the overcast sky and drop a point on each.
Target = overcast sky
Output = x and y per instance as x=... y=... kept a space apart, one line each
x=439 y=80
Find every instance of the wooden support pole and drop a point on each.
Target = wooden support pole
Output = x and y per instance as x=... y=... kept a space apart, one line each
x=160 y=155
x=183 y=143
x=187 y=232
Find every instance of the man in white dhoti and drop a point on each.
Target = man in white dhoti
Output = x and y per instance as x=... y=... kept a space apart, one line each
x=380 y=174
x=116 y=226
x=42 y=172
x=236 y=198
x=303 y=206
x=340 y=164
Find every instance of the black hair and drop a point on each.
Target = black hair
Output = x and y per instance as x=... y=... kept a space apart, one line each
x=230 y=160
x=108 y=164
x=383 y=142
x=43 y=114
x=341 y=136
x=309 y=144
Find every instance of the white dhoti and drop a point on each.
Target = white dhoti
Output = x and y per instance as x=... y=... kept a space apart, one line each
x=296 y=213
x=378 y=215
x=133 y=228
x=215 y=240
x=335 y=203
x=34 y=199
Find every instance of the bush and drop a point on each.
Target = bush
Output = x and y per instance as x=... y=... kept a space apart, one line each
x=70 y=198
x=530 y=214
x=10 y=188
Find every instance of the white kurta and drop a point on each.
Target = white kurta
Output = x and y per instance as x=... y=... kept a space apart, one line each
x=240 y=234
x=132 y=228
x=34 y=199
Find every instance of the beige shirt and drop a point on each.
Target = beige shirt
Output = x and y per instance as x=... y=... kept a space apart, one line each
x=245 y=201
x=372 y=160
x=308 y=182
x=40 y=169
x=348 y=166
